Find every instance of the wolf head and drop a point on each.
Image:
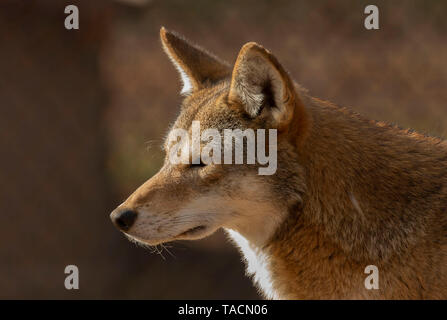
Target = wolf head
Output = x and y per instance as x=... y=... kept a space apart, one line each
x=192 y=199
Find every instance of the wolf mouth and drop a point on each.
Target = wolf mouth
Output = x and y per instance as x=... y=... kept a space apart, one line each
x=192 y=231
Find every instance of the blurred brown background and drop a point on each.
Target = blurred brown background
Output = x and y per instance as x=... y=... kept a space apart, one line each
x=83 y=113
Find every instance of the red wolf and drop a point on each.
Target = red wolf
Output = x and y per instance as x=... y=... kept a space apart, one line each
x=347 y=193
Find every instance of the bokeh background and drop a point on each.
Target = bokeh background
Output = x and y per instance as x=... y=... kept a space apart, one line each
x=83 y=113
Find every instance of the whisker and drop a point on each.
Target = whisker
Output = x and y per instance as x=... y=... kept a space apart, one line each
x=167 y=250
x=160 y=252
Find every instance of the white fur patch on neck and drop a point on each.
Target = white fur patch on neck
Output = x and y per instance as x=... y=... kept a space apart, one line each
x=258 y=264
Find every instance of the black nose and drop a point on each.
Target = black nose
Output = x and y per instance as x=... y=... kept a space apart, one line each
x=123 y=219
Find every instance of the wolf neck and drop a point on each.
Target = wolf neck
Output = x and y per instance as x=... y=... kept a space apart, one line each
x=364 y=184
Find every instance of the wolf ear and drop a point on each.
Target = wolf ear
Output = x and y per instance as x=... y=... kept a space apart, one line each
x=259 y=81
x=196 y=66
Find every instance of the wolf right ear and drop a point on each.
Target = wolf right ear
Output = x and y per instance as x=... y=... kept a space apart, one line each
x=196 y=66
x=259 y=81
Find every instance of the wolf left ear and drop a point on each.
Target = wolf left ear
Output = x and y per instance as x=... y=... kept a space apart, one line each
x=260 y=81
x=196 y=66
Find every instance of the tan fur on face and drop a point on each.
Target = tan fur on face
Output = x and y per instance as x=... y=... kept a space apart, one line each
x=348 y=192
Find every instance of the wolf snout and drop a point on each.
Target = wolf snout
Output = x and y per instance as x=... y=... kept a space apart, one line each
x=123 y=219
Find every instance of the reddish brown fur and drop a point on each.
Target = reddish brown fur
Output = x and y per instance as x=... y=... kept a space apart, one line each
x=400 y=181
x=348 y=192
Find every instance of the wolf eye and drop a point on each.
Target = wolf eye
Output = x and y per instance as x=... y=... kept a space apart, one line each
x=198 y=165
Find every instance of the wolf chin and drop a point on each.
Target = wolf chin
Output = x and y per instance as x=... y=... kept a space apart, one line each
x=347 y=193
